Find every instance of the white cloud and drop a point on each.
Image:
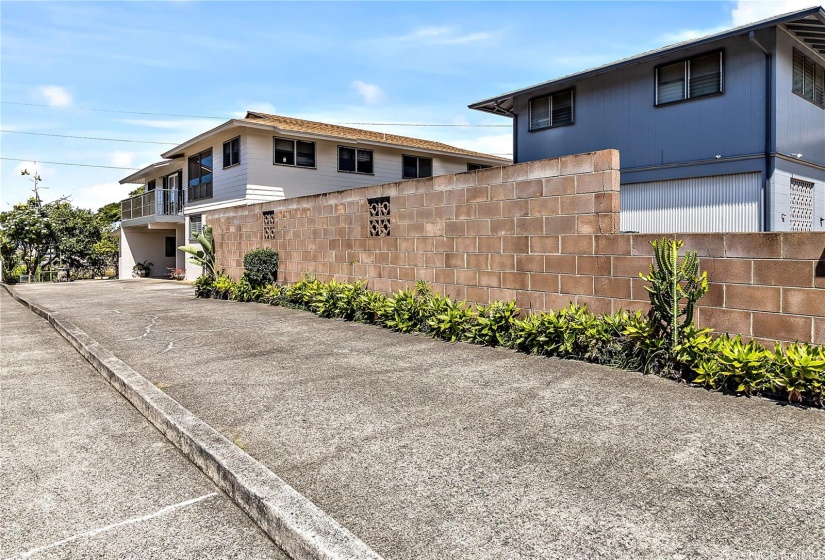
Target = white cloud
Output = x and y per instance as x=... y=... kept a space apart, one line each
x=95 y=196
x=743 y=13
x=443 y=36
x=370 y=93
x=121 y=158
x=749 y=11
x=494 y=144
x=55 y=96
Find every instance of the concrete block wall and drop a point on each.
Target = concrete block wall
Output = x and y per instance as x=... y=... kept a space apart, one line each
x=544 y=233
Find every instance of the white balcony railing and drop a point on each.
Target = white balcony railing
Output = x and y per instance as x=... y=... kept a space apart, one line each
x=157 y=202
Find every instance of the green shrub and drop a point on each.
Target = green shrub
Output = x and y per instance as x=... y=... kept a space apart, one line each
x=204 y=286
x=626 y=340
x=493 y=324
x=261 y=267
x=448 y=319
x=799 y=370
x=223 y=287
x=244 y=291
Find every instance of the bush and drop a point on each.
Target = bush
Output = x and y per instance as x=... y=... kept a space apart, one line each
x=261 y=267
x=204 y=286
x=625 y=340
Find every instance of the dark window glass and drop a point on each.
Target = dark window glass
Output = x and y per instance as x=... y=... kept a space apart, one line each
x=195 y=226
x=410 y=167
x=477 y=166
x=150 y=186
x=284 y=151
x=689 y=79
x=232 y=152
x=206 y=166
x=808 y=78
x=364 y=161
x=170 y=247
x=425 y=167
x=306 y=154
x=551 y=110
x=194 y=171
x=671 y=83
x=705 y=76
x=562 y=108
x=346 y=159
x=540 y=113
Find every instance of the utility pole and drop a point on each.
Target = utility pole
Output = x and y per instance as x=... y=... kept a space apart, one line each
x=35 y=179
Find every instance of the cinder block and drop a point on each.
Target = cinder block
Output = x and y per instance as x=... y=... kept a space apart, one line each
x=782 y=327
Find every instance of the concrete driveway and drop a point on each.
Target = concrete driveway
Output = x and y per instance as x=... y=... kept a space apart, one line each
x=84 y=475
x=425 y=449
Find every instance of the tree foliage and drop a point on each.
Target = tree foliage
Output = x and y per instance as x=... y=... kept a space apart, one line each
x=28 y=228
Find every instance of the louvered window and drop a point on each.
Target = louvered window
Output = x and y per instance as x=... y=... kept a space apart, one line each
x=808 y=79
x=689 y=79
x=551 y=110
x=354 y=160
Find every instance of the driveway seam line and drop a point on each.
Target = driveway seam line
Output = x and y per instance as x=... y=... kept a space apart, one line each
x=292 y=521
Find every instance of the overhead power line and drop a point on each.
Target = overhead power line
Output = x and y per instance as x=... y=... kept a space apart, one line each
x=89 y=137
x=227 y=118
x=72 y=164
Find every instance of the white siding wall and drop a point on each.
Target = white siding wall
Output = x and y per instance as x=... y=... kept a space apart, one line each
x=725 y=203
x=227 y=184
x=280 y=181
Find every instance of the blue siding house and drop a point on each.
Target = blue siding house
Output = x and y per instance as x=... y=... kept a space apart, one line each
x=722 y=133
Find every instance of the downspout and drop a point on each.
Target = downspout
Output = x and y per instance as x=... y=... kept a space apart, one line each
x=499 y=109
x=768 y=121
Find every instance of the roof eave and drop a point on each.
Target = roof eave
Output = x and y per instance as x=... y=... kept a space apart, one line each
x=489 y=105
x=143 y=172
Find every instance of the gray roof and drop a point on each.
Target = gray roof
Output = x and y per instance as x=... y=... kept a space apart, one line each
x=807 y=24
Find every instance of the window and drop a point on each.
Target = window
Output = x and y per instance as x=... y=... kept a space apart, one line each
x=477 y=166
x=354 y=160
x=379 y=216
x=689 y=79
x=200 y=175
x=232 y=152
x=170 y=247
x=195 y=225
x=293 y=152
x=808 y=79
x=417 y=167
x=551 y=110
x=150 y=186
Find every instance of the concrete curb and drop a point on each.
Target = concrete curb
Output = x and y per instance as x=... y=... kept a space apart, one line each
x=296 y=525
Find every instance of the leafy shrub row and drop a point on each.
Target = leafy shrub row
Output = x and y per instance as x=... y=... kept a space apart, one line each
x=623 y=340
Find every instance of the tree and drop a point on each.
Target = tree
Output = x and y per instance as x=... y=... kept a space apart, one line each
x=75 y=232
x=27 y=226
x=109 y=215
x=10 y=257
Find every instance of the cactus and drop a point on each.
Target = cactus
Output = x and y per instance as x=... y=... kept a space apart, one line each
x=672 y=281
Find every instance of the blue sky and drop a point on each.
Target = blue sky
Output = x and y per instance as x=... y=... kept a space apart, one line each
x=339 y=62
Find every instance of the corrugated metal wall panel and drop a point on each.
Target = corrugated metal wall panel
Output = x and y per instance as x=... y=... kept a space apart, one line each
x=725 y=203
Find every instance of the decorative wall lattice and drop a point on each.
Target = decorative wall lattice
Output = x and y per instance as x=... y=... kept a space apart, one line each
x=269 y=224
x=802 y=205
x=379 y=216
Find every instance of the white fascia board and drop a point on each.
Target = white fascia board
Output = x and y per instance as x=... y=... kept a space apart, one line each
x=179 y=151
x=190 y=209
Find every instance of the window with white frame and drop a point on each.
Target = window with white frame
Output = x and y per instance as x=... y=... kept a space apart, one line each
x=689 y=79
x=808 y=79
x=232 y=152
x=354 y=160
x=415 y=167
x=549 y=111
x=296 y=153
x=195 y=225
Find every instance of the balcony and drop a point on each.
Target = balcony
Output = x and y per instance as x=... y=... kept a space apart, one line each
x=158 y=205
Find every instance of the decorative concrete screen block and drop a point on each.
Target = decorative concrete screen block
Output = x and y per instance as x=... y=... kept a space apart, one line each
x=269 y=224
x=379 y=218
x=802 y=205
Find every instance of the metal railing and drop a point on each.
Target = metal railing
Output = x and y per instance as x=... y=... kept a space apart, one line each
x=158 y=202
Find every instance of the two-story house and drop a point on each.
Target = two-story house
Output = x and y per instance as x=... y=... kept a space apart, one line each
x=260 y=158
x=722 y=133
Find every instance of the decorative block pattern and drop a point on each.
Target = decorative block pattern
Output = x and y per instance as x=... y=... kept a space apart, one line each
x=379 y=216
x=802 y=205
x=269 y=224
